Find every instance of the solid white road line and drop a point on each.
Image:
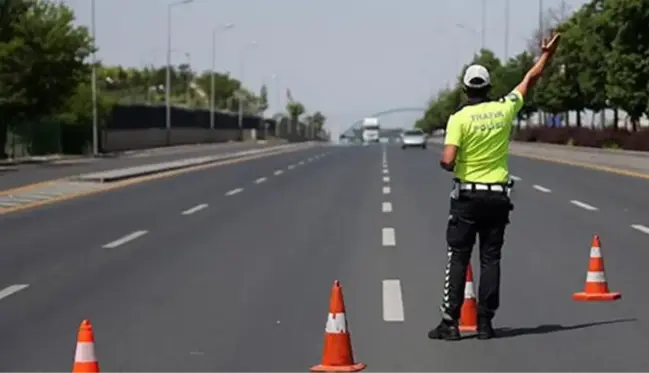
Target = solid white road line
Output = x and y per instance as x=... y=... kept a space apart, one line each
x=386 y=190
x=514 y=177
x=541 y=189
x=392 y=301
x=278 y=172
x=234 y=191
x=12 y=289
x=386 y=207
x=386 y=179
x=387 y=237
x=195 y=209
x=260 y=180
x=640 y=228
x=128 y=238
x=583 y=205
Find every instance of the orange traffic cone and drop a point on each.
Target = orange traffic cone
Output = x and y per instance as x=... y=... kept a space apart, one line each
x=85 y=360
x=337 y=355
x=469 y=312
x=596 y=288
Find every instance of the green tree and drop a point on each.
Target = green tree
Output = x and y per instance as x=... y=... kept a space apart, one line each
x=295 y=110
x=263 y=99
x=42 y=63
x=319 y=121
x=593 y=36
x=628 y=72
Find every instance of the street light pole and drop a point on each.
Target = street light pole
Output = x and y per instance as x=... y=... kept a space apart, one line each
x=168 y=72
x=541 y=31
x=213 y=74
x=469 y=29
x=242 y=77
x=278 y=122
x=168 y=77
x=188 y=83
x=95 y=119
x=506 y=30
x=484 y=23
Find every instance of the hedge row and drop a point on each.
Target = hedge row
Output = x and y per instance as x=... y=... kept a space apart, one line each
x=594 y=138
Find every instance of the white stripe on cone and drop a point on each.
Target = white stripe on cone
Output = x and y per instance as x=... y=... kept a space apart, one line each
x=595 y=252
x=595 y=277
x=468 y=291
x=85 y=353
x=336 y=323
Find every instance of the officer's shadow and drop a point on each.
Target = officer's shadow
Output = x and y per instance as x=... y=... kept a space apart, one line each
x=551 y=328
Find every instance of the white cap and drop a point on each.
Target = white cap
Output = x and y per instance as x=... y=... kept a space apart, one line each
x=476 y=76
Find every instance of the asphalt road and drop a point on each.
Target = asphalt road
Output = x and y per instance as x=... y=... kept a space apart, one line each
x=23 y=174
x=243 y=283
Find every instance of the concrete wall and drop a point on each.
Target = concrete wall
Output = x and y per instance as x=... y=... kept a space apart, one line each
x=115 y=140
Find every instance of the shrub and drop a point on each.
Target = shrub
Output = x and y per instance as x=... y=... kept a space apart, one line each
x=588 y=137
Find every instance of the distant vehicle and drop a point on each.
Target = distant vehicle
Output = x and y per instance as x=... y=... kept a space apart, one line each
x=371 y=130
x=413 y=139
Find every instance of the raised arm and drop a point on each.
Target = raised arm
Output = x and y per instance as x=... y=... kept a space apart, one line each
x=547 y=52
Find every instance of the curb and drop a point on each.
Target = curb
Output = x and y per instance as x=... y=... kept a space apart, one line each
x=120 y=174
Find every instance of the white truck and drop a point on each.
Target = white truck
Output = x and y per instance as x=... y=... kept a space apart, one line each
x=371 y=130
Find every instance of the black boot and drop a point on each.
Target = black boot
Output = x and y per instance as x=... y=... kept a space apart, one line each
x=446 y=330
x=485 y=329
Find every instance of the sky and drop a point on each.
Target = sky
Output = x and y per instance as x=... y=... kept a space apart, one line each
x=347 y=59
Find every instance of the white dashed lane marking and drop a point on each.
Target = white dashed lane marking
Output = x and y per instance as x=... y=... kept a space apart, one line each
x=386 y=179
x=542 y=189
x=386 y=190
x=234 y=191
x=385 y=171
x=128 y=238
x=290 y=167
x=194 y=209
x=641 y=228
x=260 y=180
x=392 y=301
x=11 y=290
x=514 y=177
x=583 y=205
x=387 y=237
x=386 y=207
x=278 y=172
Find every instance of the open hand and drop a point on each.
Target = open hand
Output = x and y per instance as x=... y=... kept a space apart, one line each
x=550 y=45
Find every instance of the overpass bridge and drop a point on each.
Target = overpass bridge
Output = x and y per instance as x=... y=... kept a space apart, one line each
x=355 y=129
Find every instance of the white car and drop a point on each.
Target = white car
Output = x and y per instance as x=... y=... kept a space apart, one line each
x=413 y=139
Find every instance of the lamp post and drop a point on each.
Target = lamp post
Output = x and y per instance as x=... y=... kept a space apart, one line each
x=168 y=78
x=506 y=31
x=95 y=119
x=484 y=24
x=240 y=98
x=213 y=74
x=275 y=79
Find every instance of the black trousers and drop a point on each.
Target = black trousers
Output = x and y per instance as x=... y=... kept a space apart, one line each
x=484 y=214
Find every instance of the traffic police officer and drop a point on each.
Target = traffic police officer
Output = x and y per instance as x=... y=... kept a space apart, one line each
x=476 y=150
